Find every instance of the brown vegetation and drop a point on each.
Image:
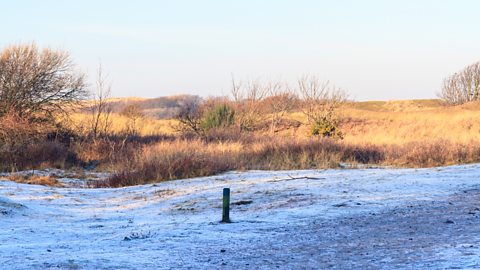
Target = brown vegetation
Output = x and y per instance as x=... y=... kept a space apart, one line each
x=34 y=179
x=191 y=158
x=186 y=158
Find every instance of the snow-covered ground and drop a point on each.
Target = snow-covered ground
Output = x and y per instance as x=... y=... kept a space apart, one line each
x=315 y=219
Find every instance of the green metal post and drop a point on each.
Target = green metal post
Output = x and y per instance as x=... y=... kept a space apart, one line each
x=226 y=206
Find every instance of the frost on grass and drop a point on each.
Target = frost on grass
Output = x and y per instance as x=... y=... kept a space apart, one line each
x=8 y=207
x=365 y=218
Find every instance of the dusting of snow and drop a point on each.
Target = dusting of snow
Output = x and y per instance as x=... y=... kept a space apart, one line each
x=281 y=219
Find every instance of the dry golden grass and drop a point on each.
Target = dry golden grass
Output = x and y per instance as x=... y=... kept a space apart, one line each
x=186 y=158
x=145 y=126
x=193 y=158
x=35 y=179
x=403 y=122
x=414 y=123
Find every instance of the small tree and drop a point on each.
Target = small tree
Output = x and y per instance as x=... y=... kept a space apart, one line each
x=133 y=114
x=100 y=109
x=37 y=84
x=320 y=104
x=189 y=116
x=463 y=86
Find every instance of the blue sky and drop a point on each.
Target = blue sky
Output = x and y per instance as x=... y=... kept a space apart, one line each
x=375 y=50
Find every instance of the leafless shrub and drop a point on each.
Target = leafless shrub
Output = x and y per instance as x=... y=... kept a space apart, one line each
x=247 y=97
x=280 y=100
x=320 y=103
x=133 y=114
x=321 y=99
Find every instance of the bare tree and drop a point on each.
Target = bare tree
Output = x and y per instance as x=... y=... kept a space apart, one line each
x=320 y=103
x=247 y=97
x=37 y=84
x=189 y=116
x=280 y=100
x=100 y=109
x=463 y=86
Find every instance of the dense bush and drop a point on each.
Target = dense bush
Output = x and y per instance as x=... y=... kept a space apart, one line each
x=221 y=116
x=326 y=128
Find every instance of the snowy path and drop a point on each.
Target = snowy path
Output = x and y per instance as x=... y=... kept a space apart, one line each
x=368 y=218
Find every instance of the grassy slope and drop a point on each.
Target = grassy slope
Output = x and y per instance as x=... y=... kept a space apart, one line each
x=397 y=122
